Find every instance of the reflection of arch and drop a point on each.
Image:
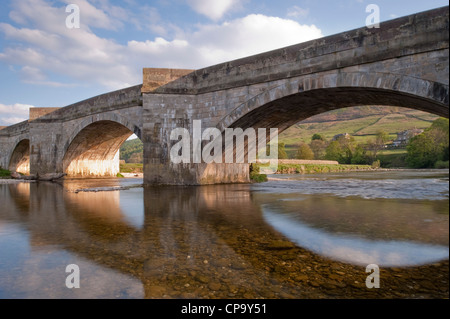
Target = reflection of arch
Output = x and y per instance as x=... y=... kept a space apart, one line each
x=92 y=148
x=299 y=98
x=20 y=196
x=20 y=157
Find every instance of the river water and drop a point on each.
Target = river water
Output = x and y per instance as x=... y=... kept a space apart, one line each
x=296 y=236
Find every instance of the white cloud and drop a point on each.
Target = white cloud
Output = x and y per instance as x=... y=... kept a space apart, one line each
x=215 y=9
x=47 y=47
x=297 y=12
x=250 y=35
x=75 y=53
x=32 y=74
x=212 y=44
x=11 y=114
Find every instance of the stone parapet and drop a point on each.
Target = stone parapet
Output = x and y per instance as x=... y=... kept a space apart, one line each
x=37 y=112
x=153 y=78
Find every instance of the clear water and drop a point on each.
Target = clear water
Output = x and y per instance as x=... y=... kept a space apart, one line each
x=296 y=236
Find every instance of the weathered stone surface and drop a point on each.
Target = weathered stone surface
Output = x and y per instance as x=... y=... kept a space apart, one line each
x=403 y=63
x=20 y=158
x=153 y=78
x=36 y=112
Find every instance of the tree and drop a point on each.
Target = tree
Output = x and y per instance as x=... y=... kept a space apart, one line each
x=424 y=150
x=318 y=136
x=136 y=158
x=319 y=148
x=341 y=150
x=131 y=147
x=441 y=124
x=334 y=152
x=378 y=144
x=281 y=151
x=304 y=152
x=421 y=151
x=359 y=155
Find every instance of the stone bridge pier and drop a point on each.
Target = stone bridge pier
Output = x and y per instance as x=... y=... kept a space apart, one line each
x=164 y=113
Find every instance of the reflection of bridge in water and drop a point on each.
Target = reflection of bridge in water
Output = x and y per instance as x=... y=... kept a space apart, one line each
x=186 y=242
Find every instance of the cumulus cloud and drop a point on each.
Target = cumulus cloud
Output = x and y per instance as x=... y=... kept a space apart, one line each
x=81 y=55
x=250 y=35
x=15 y=113
x=76 y=53
x=215 y=43
x=41 y=46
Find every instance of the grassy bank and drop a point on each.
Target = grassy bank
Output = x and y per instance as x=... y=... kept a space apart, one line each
x=315 y=168
x=4 y=173
x=131 y=168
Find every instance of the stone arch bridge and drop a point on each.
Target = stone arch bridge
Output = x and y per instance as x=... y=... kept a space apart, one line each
x=403 y=63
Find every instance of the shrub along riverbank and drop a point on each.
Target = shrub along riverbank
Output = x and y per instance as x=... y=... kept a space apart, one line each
x=4 y=173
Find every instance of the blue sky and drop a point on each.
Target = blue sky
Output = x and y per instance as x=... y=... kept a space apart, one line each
x=45 y=64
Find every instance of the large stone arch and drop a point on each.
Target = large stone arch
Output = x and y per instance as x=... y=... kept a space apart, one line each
x=92 y=148
x=19 y=160
x=292 y=100
x=287 y=102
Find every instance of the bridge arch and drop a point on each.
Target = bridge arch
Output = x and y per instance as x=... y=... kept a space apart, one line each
x=20 y=157
x=278 y=106
x=92 y=148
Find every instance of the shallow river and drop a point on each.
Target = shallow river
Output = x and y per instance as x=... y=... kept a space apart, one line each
x=296 y=236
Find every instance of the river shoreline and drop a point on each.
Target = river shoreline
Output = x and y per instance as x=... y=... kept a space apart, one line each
x=286 y=169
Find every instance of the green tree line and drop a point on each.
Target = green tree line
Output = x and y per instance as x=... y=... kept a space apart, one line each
x=429 y=149
x=132 y=151
x=344 y=149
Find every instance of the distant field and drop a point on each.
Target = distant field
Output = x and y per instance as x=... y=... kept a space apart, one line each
x=363 y=128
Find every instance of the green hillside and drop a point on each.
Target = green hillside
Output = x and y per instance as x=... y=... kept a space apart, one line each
x=132 y=151
x=362 y=123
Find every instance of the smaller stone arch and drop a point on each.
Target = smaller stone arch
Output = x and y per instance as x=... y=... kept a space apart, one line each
x=94 y=150
x=110 y=116
x=20 y=157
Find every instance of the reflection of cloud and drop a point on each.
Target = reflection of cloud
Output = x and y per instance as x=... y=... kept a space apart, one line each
x=353 y=249
x=43 y=276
